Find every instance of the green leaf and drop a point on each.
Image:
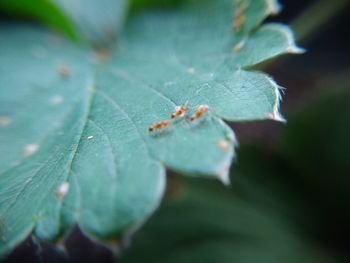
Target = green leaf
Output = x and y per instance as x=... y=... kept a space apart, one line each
x=275 y=210
x=160 y=4
x=43 y=10
x=98 y=21
x=316 y=141
x=211 y=224
x=68 y=119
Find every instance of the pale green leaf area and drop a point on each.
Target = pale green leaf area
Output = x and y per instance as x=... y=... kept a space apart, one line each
x=98 y=21
x=74 y=141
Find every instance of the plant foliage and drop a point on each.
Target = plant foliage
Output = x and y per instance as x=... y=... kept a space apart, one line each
x=75 y=145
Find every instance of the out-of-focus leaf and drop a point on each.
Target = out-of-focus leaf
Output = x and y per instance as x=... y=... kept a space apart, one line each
x=75 y=145
x=160 y=4
x=316 y=139
x=98 y=20
x=44 y=11
x=205 y=223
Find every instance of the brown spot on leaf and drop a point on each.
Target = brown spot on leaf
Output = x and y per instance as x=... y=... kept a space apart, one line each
x=64 y=71
x=224 y=145
x=102 y=54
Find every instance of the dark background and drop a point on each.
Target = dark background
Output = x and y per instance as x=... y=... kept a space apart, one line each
x=289 y=199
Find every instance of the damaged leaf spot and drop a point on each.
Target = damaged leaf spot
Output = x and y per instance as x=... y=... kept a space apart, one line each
x=4 y=120
x=30 y=149
x=191 y=70
x=64 y=71
x=62 y=190
x=102 y=54
x=56 y=100
x=224 y=145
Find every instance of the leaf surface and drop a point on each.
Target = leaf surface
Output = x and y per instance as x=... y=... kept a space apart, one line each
x=98 y=21
x=75 y=145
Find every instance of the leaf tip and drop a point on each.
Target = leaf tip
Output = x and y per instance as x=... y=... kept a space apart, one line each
x=227 y=145
x=224 y=175
x=275 y=114
x=290 y=46
x=294 y=49
x=273 y=7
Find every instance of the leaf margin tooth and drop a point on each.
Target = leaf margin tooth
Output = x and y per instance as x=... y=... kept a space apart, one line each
x=273 y=7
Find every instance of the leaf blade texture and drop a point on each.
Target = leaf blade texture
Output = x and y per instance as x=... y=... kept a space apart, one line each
x=70 y=119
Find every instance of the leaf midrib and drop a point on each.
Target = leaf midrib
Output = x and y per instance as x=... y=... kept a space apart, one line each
x=91 y=96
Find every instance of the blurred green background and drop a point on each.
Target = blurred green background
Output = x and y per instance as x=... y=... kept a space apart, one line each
x=289 y=200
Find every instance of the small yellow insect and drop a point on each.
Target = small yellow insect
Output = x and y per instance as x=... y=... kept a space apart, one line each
x=180 y=111
x=201 y=110
x=159 y=125
x=239 y=17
